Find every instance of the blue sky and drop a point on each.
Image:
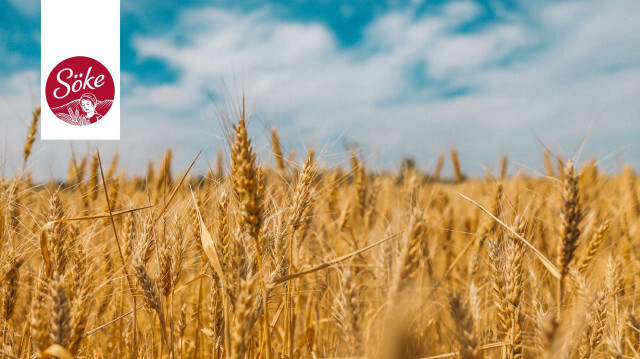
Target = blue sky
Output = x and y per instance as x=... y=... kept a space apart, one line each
x=400 y=78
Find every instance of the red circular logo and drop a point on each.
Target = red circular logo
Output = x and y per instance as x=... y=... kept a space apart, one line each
x=80 y=90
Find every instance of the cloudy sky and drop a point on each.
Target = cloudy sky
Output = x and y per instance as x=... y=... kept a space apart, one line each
x=399 y=78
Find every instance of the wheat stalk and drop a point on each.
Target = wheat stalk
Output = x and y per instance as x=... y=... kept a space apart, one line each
x=465 y=329
x=571 y=215
x=31 y=136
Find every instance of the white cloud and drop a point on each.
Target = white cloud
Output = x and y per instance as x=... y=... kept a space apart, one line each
x=17 y=99
x=462 y=10
x=26 y=7
x=543 y=75
x=453 y=54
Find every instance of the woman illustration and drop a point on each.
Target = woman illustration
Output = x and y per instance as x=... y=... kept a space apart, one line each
x=88 y=102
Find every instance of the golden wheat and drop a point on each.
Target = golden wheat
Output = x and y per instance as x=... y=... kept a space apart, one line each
x=309 y=260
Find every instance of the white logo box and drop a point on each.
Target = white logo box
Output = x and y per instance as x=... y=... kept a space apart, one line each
x=80 y=28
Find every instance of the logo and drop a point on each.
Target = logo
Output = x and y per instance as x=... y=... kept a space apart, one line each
x=80 y=91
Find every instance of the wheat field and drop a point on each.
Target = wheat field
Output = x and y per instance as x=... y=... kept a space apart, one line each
x=304 y=260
